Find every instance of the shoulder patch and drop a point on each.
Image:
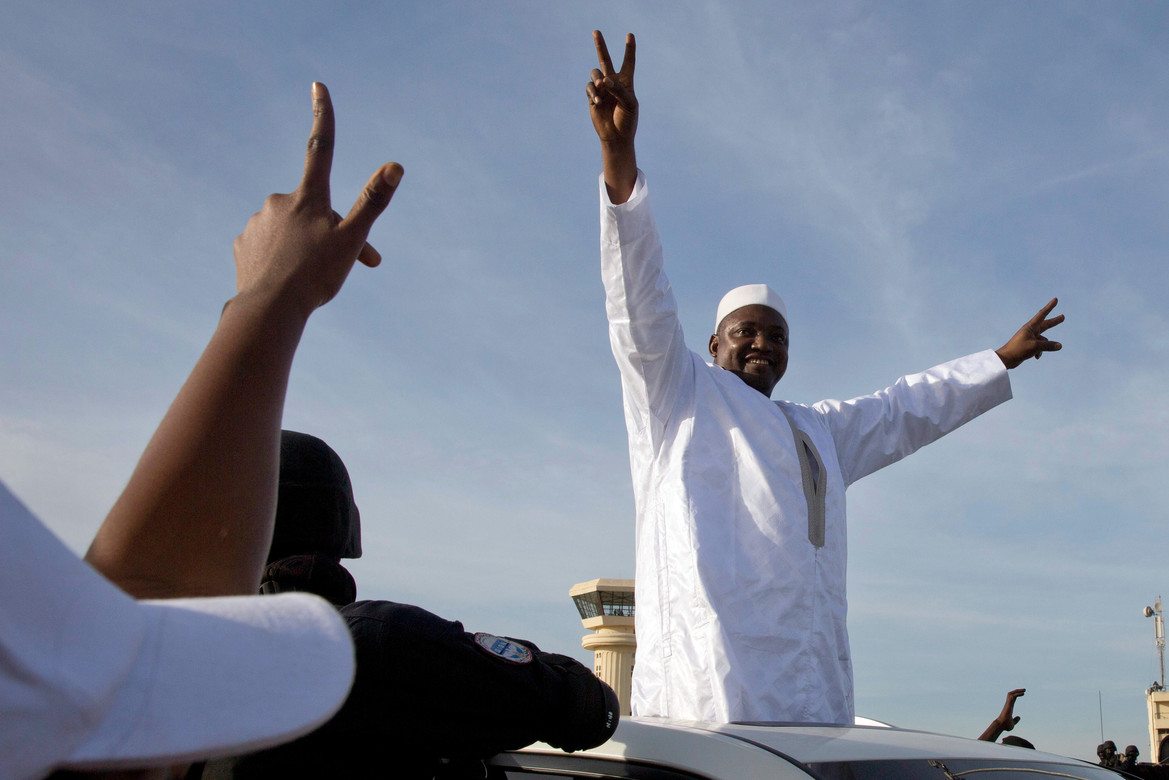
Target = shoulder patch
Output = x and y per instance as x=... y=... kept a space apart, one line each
x=504 y=648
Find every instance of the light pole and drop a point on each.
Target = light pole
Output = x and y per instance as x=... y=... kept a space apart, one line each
x=1159 y=629
x=1156 y=696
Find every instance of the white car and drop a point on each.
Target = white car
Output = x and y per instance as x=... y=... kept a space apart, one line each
x=655 y=749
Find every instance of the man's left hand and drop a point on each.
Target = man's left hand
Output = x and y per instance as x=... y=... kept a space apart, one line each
x=1029 y=341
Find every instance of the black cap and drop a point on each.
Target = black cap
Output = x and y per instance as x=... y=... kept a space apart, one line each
x=315 y=511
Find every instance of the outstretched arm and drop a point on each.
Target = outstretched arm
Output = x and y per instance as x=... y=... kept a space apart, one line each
x=1006 y=719
x=1029 y=341
x=196 y=516
x=613 y=107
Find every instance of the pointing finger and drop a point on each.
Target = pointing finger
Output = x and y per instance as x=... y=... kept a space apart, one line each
x=373 y=200
x=318 y=159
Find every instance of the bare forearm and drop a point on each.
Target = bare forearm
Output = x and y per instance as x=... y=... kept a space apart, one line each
x=619 y=163
x=992 y=731
x=206 y=481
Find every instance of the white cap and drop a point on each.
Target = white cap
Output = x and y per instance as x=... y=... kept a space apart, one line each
x=92 y=679
x=747 y=295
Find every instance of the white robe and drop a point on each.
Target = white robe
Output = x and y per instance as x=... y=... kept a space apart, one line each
x=740 y=585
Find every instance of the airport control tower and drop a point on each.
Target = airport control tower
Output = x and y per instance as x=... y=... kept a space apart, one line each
x=606 y=608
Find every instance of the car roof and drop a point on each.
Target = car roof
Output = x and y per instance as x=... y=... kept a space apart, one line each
x=812 y=743
x=711 y=748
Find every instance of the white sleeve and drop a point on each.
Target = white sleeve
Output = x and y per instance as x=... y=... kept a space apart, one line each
x=876 y=430
x=644 y=330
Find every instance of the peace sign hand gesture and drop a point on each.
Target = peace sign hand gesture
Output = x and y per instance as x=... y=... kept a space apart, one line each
x=611 y=100
x=1029 y=341
x=613 y=106
x=297 y=248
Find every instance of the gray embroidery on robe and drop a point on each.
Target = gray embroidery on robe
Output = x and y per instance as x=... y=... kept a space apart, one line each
x=814 y=480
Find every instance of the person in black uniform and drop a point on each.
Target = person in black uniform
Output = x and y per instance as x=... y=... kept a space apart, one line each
x=426 y=690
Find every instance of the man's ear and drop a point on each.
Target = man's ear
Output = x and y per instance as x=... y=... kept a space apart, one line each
x=713 y=347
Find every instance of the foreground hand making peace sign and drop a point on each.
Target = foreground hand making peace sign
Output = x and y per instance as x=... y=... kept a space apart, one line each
x=297 y=241
x=196 y=517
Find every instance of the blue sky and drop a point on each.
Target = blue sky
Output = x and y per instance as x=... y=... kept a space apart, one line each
x=916 y=178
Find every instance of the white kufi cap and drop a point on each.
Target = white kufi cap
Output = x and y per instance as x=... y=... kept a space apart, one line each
x=748 y=295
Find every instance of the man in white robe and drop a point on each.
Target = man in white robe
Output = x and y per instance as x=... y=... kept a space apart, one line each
x=741 y=536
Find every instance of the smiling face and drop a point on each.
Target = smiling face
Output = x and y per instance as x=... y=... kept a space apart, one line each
x=752 y=344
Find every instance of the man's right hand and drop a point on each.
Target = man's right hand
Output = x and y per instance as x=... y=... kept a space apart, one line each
x=613 y=107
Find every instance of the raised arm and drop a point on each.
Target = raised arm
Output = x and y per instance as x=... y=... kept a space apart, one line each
x=1029 y=341
x=196 y=516
x=1006 y=720
x=613 y=107
x=645 y=333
